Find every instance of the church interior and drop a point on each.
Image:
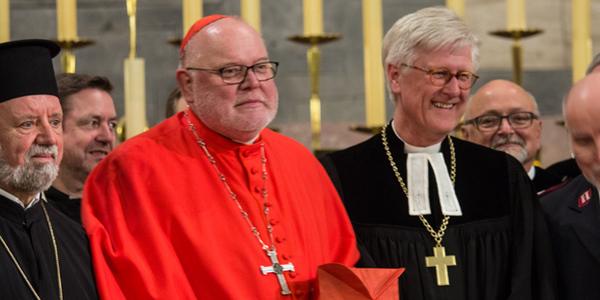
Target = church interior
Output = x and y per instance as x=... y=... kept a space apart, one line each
x=134 y=43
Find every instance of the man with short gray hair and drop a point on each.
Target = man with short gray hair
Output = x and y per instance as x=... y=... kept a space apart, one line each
x=462 y=219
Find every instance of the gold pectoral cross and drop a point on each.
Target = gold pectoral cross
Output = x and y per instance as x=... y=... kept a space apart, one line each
x=441 y=262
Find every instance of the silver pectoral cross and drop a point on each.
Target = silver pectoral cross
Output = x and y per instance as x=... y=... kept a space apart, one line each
x=278 y=270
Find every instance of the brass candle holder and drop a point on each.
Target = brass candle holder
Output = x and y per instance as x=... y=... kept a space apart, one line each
x=517 y=48
x=67 y=58
x=314 y=62
x=175 y=42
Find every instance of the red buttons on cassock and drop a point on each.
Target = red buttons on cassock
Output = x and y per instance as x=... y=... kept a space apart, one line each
x=299 y=293
x=274 y=222
x=286 y=256
x=279 y=239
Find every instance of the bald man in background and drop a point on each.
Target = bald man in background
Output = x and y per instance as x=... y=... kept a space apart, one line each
x=573 y=211
x=503 y=116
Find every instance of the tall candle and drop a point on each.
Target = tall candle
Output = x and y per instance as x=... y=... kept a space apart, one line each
x=135 y=97
x=374 y=88
x=582 y=41
x=192 y=12
x=515 y=15
x=313 y=17
x=458 y=6
x=251 y=13
x=4 y=21
x=66 y=15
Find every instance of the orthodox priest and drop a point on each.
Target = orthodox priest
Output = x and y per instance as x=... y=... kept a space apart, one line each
x=462 y=219
x=43 y=253
x=209 y=204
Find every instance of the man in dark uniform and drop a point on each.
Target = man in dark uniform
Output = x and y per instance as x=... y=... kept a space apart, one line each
x=462 y=219
x=43 y=253
x=573 y=211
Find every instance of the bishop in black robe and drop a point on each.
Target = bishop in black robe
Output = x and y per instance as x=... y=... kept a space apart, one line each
x=27 y=235
x=500 y=243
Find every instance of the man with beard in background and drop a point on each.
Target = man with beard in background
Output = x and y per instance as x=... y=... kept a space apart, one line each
x=44 y=254
x=504 y=117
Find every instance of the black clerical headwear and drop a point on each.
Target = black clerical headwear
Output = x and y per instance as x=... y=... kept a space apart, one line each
x=26 y=68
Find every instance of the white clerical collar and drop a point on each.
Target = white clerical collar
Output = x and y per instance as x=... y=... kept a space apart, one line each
x=531 y=172
x=408 y=148
x=16 y=200
x=250 y=142
x=417 y=162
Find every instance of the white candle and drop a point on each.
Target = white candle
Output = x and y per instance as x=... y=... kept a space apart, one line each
x=192 y=12
x=135 y=97
x=515 y=15
x=66 y=16
x=374 y=88
x=251 y=13
x=313 y=17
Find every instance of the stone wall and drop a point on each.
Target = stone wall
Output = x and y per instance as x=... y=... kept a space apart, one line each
x=547 y=58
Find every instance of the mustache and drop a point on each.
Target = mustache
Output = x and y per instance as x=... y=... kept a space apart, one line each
x=39 y=149
x=499 y=141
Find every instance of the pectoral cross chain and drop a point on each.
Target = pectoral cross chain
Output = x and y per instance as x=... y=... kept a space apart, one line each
x=441 y=262
x=278 y=270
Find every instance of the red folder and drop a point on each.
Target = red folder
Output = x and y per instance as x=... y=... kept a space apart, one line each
x=336 y=281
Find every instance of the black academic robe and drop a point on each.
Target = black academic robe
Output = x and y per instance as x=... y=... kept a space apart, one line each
x=500 y=243
x=574 y=224
x=544 y=179
x=63 y=203
x=27 y=235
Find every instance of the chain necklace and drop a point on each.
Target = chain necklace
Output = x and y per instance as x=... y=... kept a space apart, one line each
x=271 y=252
x=440 y=261
x=60 y=293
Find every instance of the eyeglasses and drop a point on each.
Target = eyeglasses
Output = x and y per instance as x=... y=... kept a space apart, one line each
x=518 y=120
x=237 y=73
x=441 y=76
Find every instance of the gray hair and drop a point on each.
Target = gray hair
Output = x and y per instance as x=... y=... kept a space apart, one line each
x=424 y=31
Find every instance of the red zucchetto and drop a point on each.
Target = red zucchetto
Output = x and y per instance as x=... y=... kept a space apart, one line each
x=197 y=26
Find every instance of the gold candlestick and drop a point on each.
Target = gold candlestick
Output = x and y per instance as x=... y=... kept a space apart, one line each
x=314 y=61
x=67 y=58
x=517 y=48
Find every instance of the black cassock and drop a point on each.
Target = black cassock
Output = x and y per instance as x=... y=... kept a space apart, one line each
x=63 y=203
x=500 y=242
x=27 y=235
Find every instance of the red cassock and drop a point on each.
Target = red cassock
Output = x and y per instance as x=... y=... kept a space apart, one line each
x=162 y=225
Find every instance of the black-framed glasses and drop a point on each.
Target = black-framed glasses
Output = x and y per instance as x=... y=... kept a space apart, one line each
x=441 y=76
x=237 y=73
x=518 y=120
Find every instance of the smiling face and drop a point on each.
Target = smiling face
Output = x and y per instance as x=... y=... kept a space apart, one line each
x=237 y=111
x=426 y=113
x=31 y=143
x=501 y=98
x=89 y=132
